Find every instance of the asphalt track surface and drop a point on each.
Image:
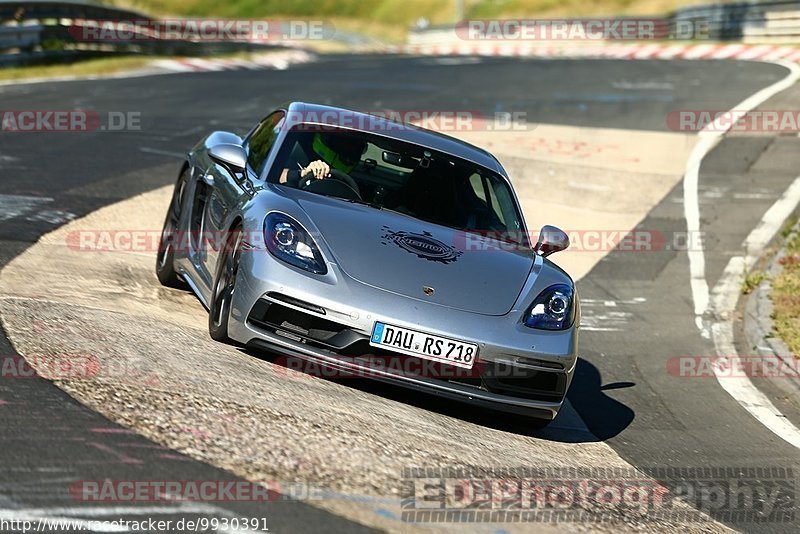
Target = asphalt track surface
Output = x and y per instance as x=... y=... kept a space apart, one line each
x=622 y=390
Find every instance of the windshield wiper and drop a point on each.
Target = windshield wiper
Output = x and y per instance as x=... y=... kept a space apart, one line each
x=363 y=203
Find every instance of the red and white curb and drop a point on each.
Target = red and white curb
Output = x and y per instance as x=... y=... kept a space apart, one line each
x=278 y=60
x=621 y=51
x=272 y=61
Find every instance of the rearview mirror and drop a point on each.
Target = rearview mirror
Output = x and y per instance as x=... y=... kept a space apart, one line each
x=230 y=155
x=398 y=160
x=551 y=240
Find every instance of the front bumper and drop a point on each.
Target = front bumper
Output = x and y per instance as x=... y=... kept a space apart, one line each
x=440 y=388
x=519 y=370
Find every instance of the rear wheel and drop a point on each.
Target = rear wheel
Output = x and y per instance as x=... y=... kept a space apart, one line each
x=165 y=259
x=219 y=312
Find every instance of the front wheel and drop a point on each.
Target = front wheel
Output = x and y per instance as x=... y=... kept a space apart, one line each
x=165 y=259
x=224 y=287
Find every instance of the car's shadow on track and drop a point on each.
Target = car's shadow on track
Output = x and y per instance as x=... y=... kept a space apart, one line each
x=586 y=396
x=603 y=416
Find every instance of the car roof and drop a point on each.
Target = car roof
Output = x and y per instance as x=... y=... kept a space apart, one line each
x=305 y=113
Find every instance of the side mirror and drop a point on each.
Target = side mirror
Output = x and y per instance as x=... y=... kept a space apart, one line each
x=230 y=155
x=551 y=240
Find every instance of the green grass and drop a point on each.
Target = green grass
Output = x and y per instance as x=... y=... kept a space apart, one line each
x=385 y=20
x=403 y=13
x=94 y=67
x=786 y=295
x=752 y=280
x=788 y=226
x=104 y=66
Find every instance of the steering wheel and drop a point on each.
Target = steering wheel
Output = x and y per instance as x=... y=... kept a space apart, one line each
x=336 y=174
x=340 y=185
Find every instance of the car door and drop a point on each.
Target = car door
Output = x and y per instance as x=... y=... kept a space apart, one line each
x=228 y=190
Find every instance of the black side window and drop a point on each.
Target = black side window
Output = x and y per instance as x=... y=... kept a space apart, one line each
x=261 y=141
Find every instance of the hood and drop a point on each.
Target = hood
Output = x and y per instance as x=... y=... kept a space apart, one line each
x=419 y=260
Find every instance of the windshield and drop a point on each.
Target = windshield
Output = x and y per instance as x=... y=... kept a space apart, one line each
x=403 y=177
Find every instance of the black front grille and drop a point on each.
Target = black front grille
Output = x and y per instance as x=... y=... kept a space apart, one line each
x=501 y=378
x=523 y=382
x=308 y=328
x=379 y=358
x=489 y=376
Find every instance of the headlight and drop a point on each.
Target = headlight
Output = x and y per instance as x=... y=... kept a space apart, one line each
x=553 y=309
x=289 y=242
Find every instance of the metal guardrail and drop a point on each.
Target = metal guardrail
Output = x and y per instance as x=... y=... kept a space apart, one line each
x=754 y=21
x=20 y=36
x=38 y=31
x=542 y=31
x=777 y=27
x=60 y=9
x=772 y=21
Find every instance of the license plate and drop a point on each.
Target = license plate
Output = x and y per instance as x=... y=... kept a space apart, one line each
x=424 y=345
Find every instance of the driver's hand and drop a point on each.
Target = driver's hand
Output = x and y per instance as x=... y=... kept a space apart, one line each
x=318 y=168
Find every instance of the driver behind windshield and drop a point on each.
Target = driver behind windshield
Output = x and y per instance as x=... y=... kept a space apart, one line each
x=339 y=152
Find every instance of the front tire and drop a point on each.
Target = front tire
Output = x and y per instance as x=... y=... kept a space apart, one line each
x=165 y=259
x=219 y=312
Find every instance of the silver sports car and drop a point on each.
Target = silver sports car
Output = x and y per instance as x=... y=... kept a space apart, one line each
x=374 y=248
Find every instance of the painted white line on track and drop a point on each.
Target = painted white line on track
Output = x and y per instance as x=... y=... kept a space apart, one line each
x=52 y=217
x=162 y=152
x=12 y=206
x=709 y=137
x=770 y=223
x=726 y=293
x=724 y=298
x=605 y=315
